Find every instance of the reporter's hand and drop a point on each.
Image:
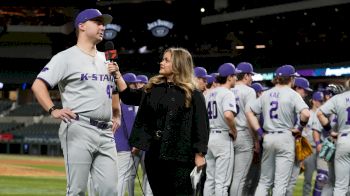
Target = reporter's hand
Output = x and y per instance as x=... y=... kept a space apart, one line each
x=199 y=160
x=64 y=114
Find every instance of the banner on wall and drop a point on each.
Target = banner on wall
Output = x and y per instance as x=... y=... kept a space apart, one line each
x=160 y=28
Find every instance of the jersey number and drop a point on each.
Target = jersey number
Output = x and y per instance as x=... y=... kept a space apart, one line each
x=108 y=91
x=212 y=110
x=348 y=121
x=274 y=107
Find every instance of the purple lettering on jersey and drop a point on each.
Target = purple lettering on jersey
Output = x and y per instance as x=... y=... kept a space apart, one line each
x=84 y=76
x=106 y=78
x=275 y=94
x=45 y=69
x=94 y=76
x=101 y=77
x=347 y=100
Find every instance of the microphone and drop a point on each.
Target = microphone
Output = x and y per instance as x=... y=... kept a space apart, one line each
x=110 y=53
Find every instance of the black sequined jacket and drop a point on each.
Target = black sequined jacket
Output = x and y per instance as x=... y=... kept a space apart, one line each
x=162 y=117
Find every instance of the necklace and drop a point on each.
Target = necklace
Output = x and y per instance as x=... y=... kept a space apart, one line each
x=92 y=55
x=89 y=54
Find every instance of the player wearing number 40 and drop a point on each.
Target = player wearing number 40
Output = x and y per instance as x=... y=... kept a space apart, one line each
x=221 y=107
x=279 y=106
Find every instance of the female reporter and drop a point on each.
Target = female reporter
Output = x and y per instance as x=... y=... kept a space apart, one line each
x=171 y=124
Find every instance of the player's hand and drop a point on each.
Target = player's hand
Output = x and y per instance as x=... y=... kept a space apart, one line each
x=296 y=133
x=116 y=124
x=135 y=151
x=113 y=68
x=257 y=147
x=64 y=114
x=199 y=160
x=233 y=135
x=318 y=148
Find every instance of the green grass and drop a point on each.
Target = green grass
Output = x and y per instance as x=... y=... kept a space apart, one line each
x=55 y=185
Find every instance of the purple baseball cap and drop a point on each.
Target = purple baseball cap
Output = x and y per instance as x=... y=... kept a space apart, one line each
x=201 y=72
x=286 y=71
x=302 y=83
x=213 y=75
x=89 y=14
x=210 y=79
x=227 y=69
x=318 y=96
x=258 y=87
x=142 y=78
x=246 y=67
x=130 y=78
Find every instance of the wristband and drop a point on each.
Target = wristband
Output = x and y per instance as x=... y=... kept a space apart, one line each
x=52 y=109
x=327 y=127
x=260 y=132
x=317 y=142
x=300 y=128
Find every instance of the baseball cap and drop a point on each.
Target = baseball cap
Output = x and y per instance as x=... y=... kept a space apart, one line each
x=302 y=83
x=142 y=78
x=258 y=87
x=317 y=96
x=201 y=72
x=286 y=70
x=213 y=78
x=210 y=79
x=227 y=69
x=130 y=78
x=246 y=67
x=89 y=14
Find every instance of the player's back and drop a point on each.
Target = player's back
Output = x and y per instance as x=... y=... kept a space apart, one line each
x=280 y=105
x=216 y=100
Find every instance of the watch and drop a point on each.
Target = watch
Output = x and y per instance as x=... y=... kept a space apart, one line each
x=52 y=109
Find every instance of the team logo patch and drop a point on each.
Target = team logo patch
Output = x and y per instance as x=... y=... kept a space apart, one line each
x=45 y=69
x=231 y=105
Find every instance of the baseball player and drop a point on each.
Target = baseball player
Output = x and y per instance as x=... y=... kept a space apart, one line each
x=202 y=77
x=279 y=106
x=221 y=107
x=339 y=105
x=87 y=117
x=143 y=80
x=243 y=147
x=253 y=175
x=121 y=136
x=302 y=87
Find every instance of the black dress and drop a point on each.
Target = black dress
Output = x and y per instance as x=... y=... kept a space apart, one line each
x=170 y=134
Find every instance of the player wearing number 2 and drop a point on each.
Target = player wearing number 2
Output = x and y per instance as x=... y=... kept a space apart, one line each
x=221 y=107
x=279 y=106
x=86 y=88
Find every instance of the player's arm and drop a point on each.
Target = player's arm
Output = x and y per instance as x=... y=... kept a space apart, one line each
x=230 y=121
x=304 y=116
x=253 y=122
x=113 y=69
x=116 y=112
x=317 y=138
x=41 y=93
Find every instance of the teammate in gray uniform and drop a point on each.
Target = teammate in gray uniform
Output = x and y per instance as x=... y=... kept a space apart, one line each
x=310 y=163
x=86 y=91
x=243 y=147
x=202 y=77
x=302 y=87
x=279 y=106
x=221 y=107
x=339 y=105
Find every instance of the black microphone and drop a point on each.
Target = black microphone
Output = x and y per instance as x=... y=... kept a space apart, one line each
x=110 y=53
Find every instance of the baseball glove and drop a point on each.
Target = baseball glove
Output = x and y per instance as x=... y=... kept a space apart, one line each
x=303 y=148
x=327 y=150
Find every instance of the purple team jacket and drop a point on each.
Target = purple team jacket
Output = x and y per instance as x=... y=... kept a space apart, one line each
x=122 y=134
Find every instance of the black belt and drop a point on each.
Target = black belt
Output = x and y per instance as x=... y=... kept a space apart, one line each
x=97 y=123
x=273 y=132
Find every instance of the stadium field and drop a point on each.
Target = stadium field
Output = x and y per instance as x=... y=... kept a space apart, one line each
x=22 y=175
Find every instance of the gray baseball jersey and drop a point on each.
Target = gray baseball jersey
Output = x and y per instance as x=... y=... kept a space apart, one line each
x=339 y=105
x=307 y=132
x=218 y=101
x=244 y=94
x=84 y=83
x=279 y=107
x=316 y=125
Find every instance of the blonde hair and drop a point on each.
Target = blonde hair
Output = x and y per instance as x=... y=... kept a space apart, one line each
x=183 y=77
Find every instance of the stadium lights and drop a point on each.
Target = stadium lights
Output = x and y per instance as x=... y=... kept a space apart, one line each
x=260 y=46
x=239 y=47
x=202 y=9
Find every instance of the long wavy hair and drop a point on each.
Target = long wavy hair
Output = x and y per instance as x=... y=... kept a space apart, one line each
x=183 y=77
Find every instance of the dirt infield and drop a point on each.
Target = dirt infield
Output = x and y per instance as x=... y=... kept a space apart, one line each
x=15 y=166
